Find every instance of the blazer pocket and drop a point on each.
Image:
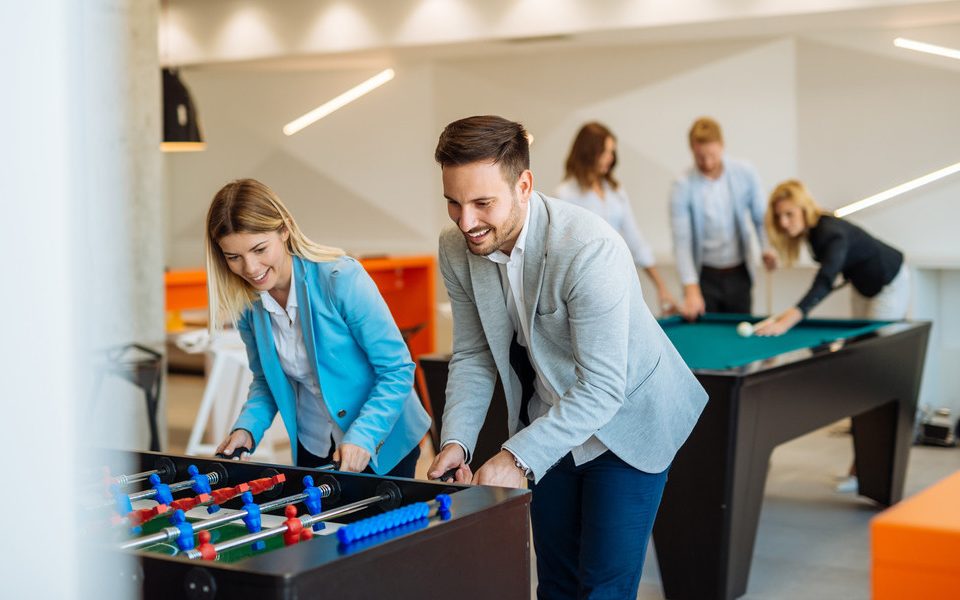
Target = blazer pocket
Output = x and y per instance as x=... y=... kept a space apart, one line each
x=644 y=379
x=560 y=312
x=553 y=327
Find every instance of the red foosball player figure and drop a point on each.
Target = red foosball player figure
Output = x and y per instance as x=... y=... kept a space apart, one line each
x=295 y=531
x=207 y=551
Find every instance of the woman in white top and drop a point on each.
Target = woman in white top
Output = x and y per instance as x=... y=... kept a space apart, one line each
x=589 y=183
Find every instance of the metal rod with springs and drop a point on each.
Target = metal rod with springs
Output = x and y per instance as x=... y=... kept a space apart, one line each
x=171 y=533
x=306 y=521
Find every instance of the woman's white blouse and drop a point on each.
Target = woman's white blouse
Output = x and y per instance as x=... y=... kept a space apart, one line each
x=614 y=208
x=315 y=427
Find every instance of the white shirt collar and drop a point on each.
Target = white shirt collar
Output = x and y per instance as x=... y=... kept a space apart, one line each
x=272 y=306
x=498 y=256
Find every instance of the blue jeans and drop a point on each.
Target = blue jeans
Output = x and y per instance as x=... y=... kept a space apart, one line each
x=591 y=525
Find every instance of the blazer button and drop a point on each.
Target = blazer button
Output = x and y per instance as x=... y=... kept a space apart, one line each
x=341 y=413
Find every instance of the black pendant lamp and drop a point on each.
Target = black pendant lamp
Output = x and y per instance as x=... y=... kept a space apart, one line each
x=181 y=128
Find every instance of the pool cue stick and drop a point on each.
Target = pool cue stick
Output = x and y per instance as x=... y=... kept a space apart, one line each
x=768 y=282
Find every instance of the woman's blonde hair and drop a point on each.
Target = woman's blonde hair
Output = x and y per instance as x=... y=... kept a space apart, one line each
x=248 y=206
x=793 y=190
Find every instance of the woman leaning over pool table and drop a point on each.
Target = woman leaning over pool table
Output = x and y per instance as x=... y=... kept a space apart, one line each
x=880 y=279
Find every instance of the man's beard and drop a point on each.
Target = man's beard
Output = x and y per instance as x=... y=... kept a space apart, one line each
x=499 y=235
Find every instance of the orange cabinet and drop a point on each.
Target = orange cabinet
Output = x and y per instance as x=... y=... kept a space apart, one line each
x=186 y=289
x=915 y=545
x=407 y=284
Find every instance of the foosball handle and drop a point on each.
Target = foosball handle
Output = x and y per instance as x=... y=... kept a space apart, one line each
x=448 y=476
x=235 y=455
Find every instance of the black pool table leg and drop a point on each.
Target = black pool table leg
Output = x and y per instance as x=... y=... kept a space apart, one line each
x=881 y=440
x=690 y=533
x=704 y=540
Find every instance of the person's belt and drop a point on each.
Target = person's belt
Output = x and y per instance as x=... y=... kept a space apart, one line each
x=723 y=269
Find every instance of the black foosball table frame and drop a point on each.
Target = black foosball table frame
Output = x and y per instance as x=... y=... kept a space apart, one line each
x=481 y=551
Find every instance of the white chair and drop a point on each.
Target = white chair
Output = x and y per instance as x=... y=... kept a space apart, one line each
x=228 y=380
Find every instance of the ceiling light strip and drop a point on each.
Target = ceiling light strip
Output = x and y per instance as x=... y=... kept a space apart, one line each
x=896 y=191
x=928 y=48
x=339 y=102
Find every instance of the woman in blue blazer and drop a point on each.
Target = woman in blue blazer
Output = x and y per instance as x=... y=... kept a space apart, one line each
x=324 y=349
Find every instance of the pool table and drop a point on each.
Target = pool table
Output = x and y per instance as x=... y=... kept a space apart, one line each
x=764 y=392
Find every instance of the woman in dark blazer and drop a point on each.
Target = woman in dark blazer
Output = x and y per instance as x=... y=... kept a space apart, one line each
x=324 y=349
x=875 y=270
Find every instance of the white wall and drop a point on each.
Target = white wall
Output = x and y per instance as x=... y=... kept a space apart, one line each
x=870 y=122
x=849 y=122
x=360 y=181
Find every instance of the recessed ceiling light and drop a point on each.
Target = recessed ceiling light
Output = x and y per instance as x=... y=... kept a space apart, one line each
x=903 y=188
x=339 y=102
x=927 y=48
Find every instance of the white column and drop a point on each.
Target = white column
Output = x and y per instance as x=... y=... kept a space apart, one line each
x=82 y=246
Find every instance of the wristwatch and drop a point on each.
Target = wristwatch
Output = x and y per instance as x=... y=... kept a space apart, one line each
x=523 y=468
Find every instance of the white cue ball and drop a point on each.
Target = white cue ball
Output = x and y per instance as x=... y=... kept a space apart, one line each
x=744 y=329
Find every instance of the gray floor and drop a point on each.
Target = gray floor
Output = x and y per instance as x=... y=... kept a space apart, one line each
x=811 y=543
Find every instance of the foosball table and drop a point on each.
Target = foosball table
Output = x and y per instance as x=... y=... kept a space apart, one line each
x=206 y=528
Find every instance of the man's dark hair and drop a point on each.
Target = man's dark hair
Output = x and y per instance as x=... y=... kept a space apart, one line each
x=485 y=138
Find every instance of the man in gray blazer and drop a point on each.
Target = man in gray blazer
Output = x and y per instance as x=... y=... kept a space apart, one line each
x=545 y=294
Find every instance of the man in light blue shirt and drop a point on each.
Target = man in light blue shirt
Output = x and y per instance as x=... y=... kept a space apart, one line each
x=715 y=209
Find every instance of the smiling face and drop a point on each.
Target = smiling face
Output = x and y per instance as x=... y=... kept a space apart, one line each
x=789 y=218
x=488 y=210
x=260 y=259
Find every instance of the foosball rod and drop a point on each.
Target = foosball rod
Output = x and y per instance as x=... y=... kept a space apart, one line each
x=171 y=533
x=307 y=521
x=120 y=480
x=125 y=480
x=213 y=476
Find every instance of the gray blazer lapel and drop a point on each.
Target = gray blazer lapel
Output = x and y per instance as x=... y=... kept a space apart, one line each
x=534 y=254
x=492 y=308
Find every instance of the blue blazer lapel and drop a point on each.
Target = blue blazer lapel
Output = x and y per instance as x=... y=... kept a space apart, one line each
x=304 y=285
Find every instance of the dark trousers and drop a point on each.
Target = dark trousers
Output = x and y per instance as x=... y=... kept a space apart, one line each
x=407 y=466
x=591 y=526
x=727 y=290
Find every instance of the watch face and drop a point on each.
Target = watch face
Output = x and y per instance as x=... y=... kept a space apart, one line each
x=526 y=470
